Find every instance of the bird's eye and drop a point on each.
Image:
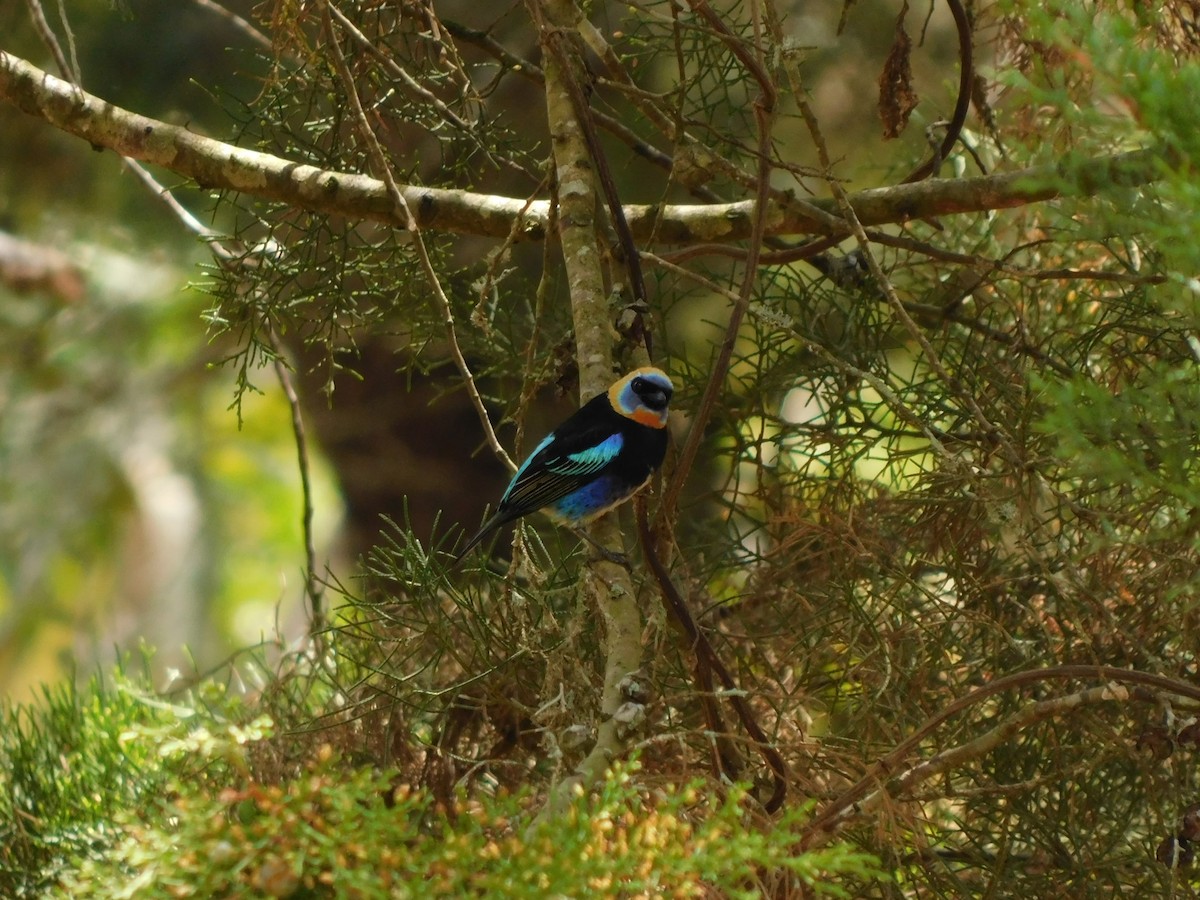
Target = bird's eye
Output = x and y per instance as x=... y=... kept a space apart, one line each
x=639 y=385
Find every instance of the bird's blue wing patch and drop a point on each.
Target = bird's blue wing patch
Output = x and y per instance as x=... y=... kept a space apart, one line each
x=590 y=460
x=548 y=476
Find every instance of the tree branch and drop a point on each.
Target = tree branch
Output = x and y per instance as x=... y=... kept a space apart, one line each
x=606 y=585
x=218 y=165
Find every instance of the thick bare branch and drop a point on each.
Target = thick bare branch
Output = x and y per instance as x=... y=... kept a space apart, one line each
x=215 y=164
x=218 y=165
x=608 y=586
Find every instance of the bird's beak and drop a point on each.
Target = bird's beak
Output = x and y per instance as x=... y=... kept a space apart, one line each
x=656 y=399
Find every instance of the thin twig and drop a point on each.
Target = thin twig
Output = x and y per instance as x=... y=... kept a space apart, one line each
x=313 y=587
x=312 y=582
x=498 y=256
x=398 y=72
x=764 y=110
x=805 y=251
x=384 y=172
x=241 y=24
x=181 y=212
x=708 y=663
x=540 y=293
x=62 y=17
x=51 y=41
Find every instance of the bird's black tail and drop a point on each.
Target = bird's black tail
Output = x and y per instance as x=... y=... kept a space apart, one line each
x=476 y=539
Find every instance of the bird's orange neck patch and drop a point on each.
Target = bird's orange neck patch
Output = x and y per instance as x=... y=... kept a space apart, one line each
x=649 y=417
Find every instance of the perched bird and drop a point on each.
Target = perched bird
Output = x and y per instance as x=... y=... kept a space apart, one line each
x=595 y=460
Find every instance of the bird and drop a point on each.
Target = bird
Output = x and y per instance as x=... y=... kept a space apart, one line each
x=598 y=458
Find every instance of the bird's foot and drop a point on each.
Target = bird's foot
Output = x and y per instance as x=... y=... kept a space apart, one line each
x=602 y=552
x=619 y=559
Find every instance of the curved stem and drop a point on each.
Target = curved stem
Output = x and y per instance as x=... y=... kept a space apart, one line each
x=966 y=74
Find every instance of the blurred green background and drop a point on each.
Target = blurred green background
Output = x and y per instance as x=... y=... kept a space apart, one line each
x=135 y=504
